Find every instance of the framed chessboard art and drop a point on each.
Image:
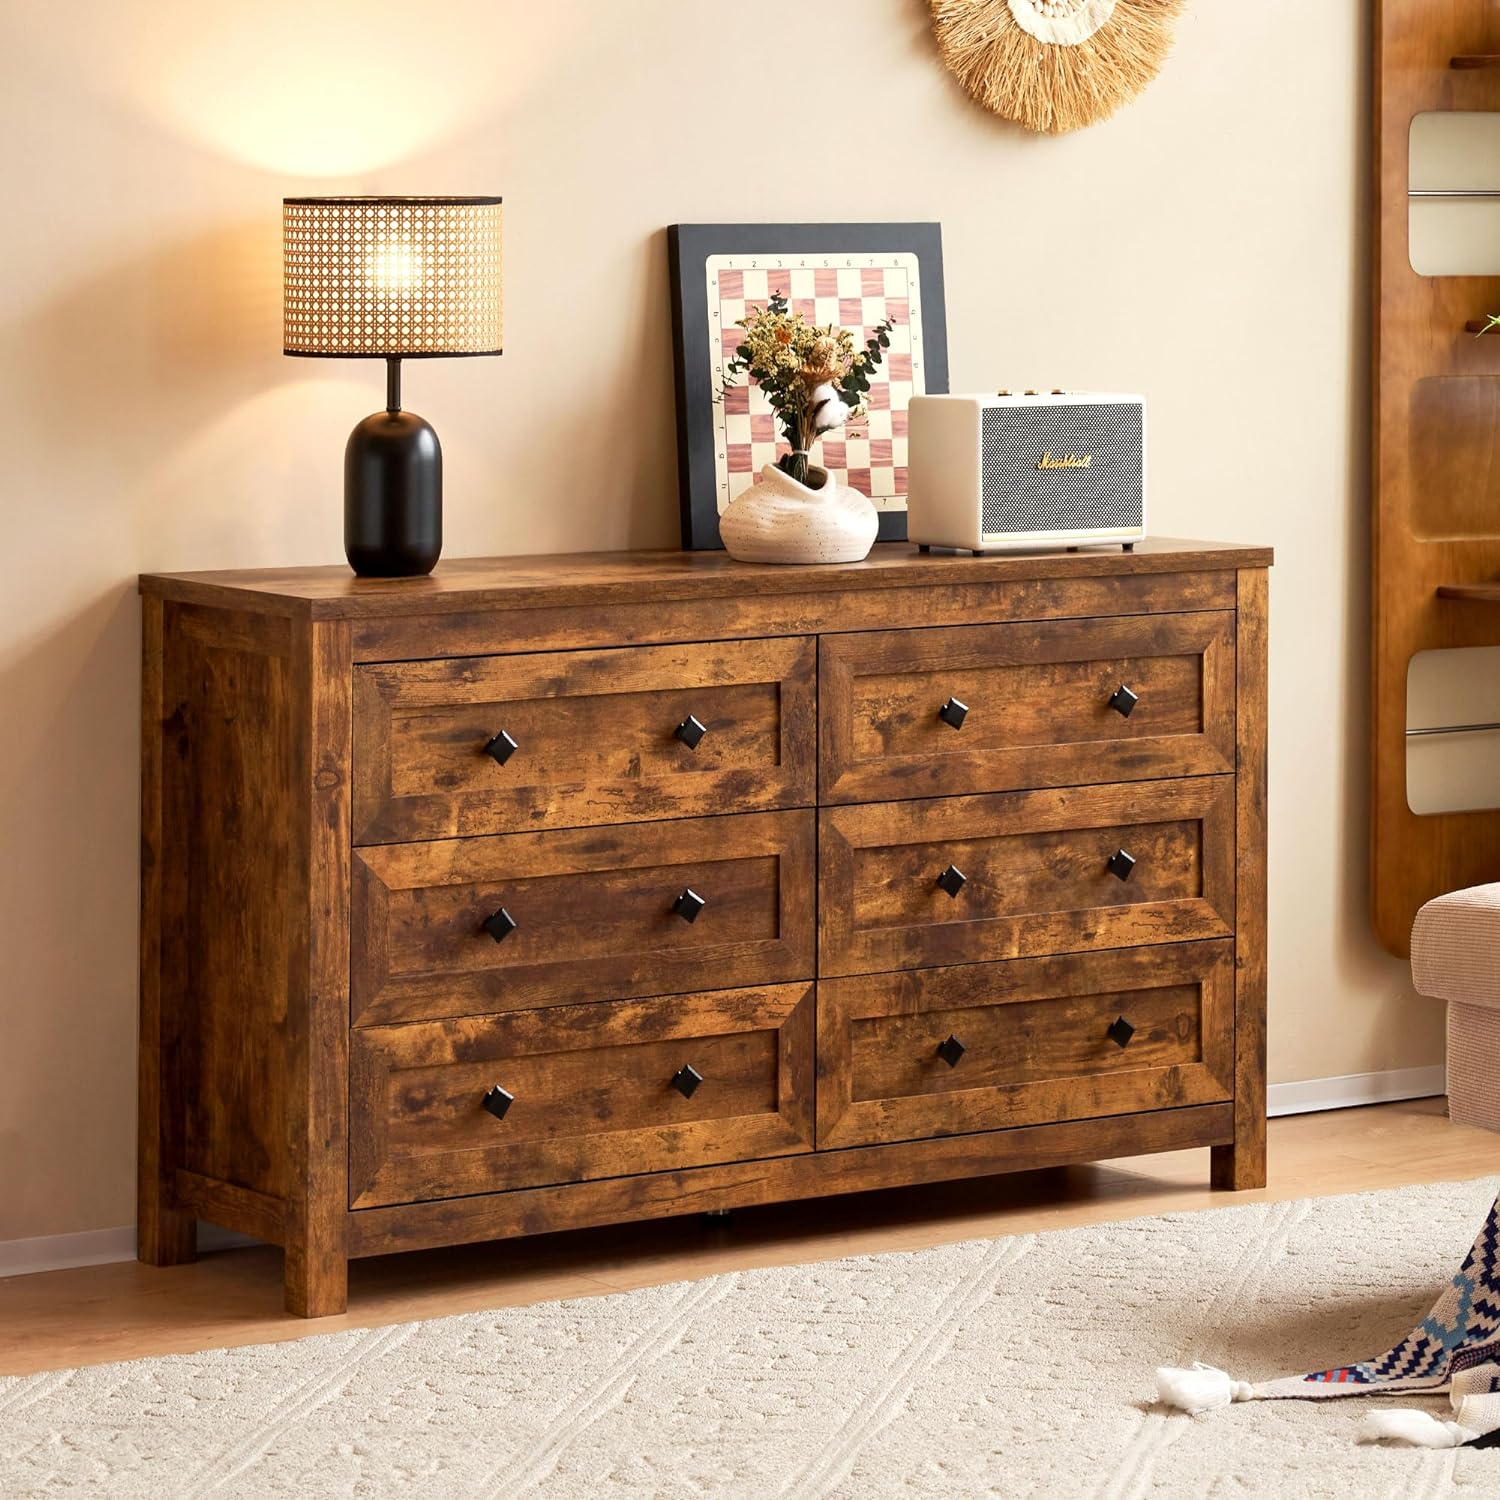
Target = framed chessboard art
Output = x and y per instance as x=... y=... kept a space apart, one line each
x=852 y=275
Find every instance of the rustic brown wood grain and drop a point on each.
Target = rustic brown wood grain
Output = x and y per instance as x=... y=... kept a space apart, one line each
x=1038 y=700
x=1243 y=1165
x=596 y=737
x=556 y=627
x=1035 y=1031
x=166 y=1235
x=594 y=914
x=226 y=919
x=592 y=1088
x=252 y=1213
x=317 y=1018
x=321 y=1017
x=615 y=1200
x=1037 y=875
x=217 y=941
x=591 y=580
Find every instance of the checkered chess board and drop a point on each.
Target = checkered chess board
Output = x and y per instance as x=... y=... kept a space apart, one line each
x=856 y=292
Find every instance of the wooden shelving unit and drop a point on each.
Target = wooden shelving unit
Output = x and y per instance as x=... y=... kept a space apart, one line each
x=1435 y=549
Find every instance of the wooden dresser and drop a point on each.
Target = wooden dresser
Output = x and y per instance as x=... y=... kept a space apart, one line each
x=560 y=891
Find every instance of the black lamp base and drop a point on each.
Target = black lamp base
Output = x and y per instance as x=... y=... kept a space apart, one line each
x=393 y=496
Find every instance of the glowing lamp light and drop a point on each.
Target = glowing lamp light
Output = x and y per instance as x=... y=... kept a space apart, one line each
x=396 y=268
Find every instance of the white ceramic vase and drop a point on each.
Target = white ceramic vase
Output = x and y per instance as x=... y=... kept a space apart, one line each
x=781 y=521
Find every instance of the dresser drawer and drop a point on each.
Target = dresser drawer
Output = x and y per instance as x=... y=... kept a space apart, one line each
x=592 y=1093
x=1031 y=1042
x=1039 y=705
x=595 y=736
x=1036 y=874
x=590 y=912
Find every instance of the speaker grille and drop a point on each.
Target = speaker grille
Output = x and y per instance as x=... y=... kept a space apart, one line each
x=1016 y=496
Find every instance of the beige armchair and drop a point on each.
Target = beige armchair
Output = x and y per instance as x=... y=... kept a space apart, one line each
x=1455 y=956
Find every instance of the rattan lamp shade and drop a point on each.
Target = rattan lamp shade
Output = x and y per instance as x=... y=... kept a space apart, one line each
x=407 y=278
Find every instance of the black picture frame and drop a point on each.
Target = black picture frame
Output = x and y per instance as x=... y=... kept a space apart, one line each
x=688 y=249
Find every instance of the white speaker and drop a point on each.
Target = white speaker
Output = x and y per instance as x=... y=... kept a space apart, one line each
x=1007 y=472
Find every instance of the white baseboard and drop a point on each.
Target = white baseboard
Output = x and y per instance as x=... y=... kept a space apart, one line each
x=94 y=1247
x=1356 y=1088
x=98 y=1247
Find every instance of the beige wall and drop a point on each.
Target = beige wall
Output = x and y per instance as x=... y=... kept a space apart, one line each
x=1206 y=247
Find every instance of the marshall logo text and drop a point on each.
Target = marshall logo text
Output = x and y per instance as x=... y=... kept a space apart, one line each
x=1065 y=461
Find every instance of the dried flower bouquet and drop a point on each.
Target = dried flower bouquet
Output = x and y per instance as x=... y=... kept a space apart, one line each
x=815 y=378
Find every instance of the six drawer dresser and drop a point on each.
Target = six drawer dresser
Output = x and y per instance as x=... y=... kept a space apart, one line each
x=547 y=892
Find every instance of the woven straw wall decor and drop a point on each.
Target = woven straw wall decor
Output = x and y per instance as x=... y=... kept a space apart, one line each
x=1054 y=65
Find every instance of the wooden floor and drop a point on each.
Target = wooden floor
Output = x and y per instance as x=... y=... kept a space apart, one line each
x=65 y=1318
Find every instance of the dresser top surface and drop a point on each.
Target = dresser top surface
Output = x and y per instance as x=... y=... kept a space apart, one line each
x=582 y=578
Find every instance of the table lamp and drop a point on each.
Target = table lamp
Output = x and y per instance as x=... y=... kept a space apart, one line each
x=392 y=279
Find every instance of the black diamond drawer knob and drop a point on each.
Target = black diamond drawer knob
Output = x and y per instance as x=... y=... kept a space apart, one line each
x=1120 y=1032
x=500 y=925
x=1122 y=700
x=502 y=747
x=690 y=731
x=951 y=1050
x=953 y=713
x=498 y=1100
x=1120 y=864
x=952 y=880
x=686 y=1080
x=688 y=905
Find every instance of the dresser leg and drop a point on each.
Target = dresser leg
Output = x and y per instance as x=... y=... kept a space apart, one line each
x=165 y=1237
x=1238 y=1167
x=316 y=1287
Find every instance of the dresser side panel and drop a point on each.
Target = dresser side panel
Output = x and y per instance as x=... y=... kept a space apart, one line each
x=227 y=861
x=166 y=1235
x=1243 y=1165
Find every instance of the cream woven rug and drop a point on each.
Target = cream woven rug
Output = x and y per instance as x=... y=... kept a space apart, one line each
x=1011 y=1367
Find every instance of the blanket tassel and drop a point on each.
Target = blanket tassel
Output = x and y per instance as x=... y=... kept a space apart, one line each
x=1202 y=1388
x=1419 y=1429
